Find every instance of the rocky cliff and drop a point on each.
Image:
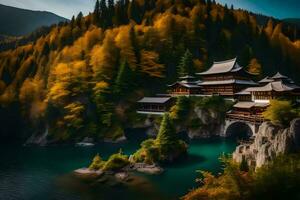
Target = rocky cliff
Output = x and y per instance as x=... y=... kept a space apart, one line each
x=209 y=124
x=269 y=142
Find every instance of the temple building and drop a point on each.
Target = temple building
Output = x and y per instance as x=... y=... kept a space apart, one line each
x=155 y=105
x=275 y=87
x=248 y=111
x=188 y=85
x=265 y=81
x=274 y=90
x=243 y=95
x=225 y=78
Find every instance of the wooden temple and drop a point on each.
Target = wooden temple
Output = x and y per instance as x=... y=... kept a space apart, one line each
x=253 y=101
x=155 y=105
x=225 y=78
x=247 y=111
x=188 y=85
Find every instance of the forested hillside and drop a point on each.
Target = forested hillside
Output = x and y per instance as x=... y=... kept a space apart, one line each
x=18 y=22
x=295 y=21
x=83 y=78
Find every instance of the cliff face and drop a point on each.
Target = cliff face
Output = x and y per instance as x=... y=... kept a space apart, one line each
x=212 y=124
x=269 y=142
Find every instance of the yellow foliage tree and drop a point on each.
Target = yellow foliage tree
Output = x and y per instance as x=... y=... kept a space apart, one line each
x=150 y=65
x=280 y=112
x=254 y=67
x=123 y=42
x=73 y=118
x=103 y=59
x=31 y=96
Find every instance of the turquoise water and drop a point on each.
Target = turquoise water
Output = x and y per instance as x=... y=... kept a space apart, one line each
x=34 y=173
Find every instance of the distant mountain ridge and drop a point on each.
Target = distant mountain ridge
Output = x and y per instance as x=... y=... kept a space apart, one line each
x=295 y=21
x=18 y=22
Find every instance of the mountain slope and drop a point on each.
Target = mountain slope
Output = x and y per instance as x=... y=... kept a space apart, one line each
x=295 y=21
x=17 y=22
x=83 y=78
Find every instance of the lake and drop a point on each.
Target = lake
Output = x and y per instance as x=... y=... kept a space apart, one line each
x=35 y=173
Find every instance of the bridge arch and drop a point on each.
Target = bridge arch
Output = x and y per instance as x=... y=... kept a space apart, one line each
x=239 y=129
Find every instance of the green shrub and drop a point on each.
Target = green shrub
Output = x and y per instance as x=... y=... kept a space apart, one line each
x=276 y=181
x=116 y=162
x=148 y=153
x=280 y=112
x=97 y=163
x=181 y=109
x=216 y=103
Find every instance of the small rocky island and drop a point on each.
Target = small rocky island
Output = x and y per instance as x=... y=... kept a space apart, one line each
x=165 y=148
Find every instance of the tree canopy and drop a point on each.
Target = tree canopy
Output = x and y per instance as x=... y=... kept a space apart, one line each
x=80 y=64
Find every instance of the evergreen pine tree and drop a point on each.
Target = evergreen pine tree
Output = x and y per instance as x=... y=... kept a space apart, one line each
x=209 y=6
x=111 y=12
x=78 y=19
x=186 y=65
x=117 y=19
x=135 y=44
x=167 y=134
x=97 y=163
x=96 y=14
x=46 y=49
x=72 y=23
x=134 y=12
x=103 y=14
x=123 y=79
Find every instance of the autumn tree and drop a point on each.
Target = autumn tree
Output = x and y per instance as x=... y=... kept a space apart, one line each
x=280 y=112
x=254 y=67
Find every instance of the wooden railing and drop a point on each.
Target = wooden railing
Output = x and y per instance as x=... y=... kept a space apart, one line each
x=256 y=119
x=151 y=110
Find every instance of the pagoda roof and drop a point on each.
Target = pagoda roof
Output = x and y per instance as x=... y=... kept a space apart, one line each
x=250 y=104
x=187 y=84
x=290 y=81
x=187 y=77
x=243 y=92
x=223 y=67
x=230 y=81
x=160 y=100
x=267 y=79
x=277 y=86
x=279 y=76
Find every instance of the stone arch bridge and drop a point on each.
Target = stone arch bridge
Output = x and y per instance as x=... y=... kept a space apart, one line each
x=238 y=126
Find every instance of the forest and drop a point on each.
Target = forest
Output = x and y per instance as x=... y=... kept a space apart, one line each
x=82 y=78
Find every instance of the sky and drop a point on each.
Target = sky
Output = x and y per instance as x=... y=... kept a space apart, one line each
x=276 y=8
x=68 y=8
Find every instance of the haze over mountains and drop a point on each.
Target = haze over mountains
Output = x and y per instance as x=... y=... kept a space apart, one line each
x=18 y=22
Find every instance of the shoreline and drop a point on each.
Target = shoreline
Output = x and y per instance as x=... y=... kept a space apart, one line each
x=152 y=169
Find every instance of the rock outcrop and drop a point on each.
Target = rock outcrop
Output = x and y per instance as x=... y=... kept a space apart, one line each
x=212 y=124
x=269 y=142
x=38 y=139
